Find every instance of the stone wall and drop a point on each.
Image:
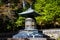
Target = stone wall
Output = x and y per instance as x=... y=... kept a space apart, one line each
x=53 y=33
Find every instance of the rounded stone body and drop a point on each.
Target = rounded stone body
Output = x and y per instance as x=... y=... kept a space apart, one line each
x=30 y=24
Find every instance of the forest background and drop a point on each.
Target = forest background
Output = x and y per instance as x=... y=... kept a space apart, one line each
x=10 y=20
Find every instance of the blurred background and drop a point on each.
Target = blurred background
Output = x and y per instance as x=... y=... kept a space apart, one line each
x=10 y=21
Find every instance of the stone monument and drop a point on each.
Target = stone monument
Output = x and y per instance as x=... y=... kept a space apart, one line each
x=30 y=30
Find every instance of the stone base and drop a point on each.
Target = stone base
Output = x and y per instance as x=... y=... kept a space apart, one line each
x=29 y=39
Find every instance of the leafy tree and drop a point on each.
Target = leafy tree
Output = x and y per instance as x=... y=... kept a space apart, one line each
x=49 y=9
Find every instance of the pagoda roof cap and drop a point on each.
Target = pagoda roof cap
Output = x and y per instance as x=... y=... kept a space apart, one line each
x=30 y=10
x=29 y=13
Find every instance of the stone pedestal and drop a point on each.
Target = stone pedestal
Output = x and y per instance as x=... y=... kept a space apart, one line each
x=30 y=39
x=27 y=39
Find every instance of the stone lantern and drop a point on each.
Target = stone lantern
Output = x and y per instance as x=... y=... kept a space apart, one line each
x=30 y=30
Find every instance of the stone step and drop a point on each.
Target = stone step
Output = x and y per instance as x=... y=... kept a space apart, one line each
x=26 y=39
x=30 y=39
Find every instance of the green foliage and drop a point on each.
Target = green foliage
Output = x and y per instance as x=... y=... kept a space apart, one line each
x=1 y=2
x=58 y=38
x=20 y=21
x=48 y=8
